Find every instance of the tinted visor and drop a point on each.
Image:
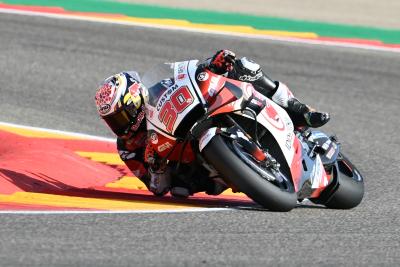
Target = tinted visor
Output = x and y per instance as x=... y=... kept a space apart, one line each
x=119 y=122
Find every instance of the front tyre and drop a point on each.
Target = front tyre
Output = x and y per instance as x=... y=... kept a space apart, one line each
x=221 y=154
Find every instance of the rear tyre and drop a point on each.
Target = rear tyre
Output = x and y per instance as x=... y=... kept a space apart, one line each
x=348 y=190
x=221 y=154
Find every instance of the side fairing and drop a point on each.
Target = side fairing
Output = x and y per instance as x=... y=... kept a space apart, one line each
x=277 y=122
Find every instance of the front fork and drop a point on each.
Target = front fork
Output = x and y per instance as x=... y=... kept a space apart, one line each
x=261 y=156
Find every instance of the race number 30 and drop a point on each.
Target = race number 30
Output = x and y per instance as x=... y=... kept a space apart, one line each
x=178 y=102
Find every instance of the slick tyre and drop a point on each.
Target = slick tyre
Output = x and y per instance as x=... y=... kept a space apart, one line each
x=220 y=154
x=349 y=190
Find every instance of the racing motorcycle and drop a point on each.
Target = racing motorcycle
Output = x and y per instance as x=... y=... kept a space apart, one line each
x=250 y=141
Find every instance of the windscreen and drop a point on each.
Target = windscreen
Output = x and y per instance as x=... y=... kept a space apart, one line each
x=157 y=80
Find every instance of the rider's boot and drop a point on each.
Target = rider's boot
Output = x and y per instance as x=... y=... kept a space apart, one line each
x=212 y=188
x=180 y=192
x=302 y=115
x=316 y=119
x=193 y=179
x=216 y=187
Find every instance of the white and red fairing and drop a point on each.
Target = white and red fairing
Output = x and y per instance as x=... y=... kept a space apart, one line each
x=202 y=90
x=171 y=108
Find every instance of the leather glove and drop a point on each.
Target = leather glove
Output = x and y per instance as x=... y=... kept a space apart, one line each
x=160 y=181
x=222 y=61
x=158 y=172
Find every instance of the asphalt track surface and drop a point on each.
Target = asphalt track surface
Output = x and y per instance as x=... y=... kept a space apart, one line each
x=49 y=72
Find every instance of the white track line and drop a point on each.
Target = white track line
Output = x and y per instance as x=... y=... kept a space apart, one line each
x=73 y=134
x=242 y=35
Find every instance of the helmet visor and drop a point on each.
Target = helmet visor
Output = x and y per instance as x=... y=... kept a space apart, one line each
x=119 y=122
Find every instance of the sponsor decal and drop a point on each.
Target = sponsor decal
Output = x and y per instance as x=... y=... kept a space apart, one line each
x=326 y=145
x=139 y=120
x=154 y=138
x=103 y=109
x=134 y=89
x=134 y=93
x=181 y=67
x=206 y=137
x=164 y=147
x=176 y=104
x=181 y=76
x=273 y=117
x=166 y=96
x=202 y=76
x=330 y=153
x=250 y=78
x=289 y=140
x=212 y=89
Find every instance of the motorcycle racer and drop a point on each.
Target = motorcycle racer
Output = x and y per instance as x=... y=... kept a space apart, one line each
x=120 y=103
x=224 y=62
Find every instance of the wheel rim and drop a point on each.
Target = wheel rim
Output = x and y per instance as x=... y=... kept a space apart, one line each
x=276 y=177
x=348 y=169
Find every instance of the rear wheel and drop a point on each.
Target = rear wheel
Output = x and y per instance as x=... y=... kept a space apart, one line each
x=266 y=186
x=347 y=190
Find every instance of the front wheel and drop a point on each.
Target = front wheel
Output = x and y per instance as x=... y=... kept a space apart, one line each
x=243 y=171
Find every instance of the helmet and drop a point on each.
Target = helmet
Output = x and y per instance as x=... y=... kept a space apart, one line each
x=119 y=102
